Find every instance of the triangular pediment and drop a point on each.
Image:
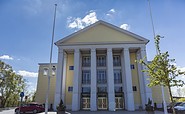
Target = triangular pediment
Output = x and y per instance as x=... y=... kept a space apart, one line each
x=101 y=32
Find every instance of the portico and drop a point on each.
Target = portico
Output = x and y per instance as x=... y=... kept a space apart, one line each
x=96 y=71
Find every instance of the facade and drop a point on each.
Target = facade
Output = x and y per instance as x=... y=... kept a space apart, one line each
x=96 y=70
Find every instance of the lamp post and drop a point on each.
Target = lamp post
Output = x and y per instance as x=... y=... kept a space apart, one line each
x=50 y=65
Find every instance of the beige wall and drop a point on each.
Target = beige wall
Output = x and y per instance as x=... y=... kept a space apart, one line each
x=157 y=95
x=100 y=33
x=69 y=78
x=42 y=84
x=135 y=79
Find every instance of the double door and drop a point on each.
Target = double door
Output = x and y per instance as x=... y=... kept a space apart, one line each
x=119 y=102
x=102 y=103
x=86 y=103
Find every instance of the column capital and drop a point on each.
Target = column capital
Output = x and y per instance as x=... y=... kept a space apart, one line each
x=60 y=50
x=93 y=49
x=76 y=50
x=126 y=48
x=143 y=48
x=109 y=49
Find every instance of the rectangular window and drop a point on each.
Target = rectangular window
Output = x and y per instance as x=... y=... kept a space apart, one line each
x=116 y=60
x=101 y=61
x=86 y=89
x=132 y=66
x=101 y=77
x=86 y=61
x=70 y=89
x=86 y=77
x=118 y=89
x=102 y=89
x=134 y=88
x=71 y=67
x=117 y=76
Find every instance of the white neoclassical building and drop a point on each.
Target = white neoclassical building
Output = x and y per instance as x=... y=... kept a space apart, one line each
x=96 y=70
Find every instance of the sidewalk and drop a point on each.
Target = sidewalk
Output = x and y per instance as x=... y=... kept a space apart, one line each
x=106 y=112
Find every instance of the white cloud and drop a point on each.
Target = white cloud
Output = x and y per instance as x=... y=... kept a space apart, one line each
x=27 y=73
x=112 y=10
x=6 y=57
x=80 y=23
x=125 y=26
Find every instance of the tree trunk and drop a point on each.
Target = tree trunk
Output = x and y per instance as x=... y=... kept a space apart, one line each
x=171 y=98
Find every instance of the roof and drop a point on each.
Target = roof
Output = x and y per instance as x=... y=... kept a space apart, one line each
x=144 y=40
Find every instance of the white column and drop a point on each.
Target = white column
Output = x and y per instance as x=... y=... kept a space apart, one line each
x=59 y=78
x=93 y=100
x=141 y=81
x=64 y=78
x=110 y=78
x=76 y=92
x=128 y=81
x=148 y=91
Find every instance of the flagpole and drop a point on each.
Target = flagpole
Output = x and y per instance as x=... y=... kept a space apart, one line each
x=50 y=64
x=162 y=87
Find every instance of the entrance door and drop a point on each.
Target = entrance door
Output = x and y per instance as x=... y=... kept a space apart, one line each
x=85 y=103
x=119 y=102
x=102 y=103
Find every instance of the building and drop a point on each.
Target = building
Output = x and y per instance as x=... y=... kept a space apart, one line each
x=96 y=70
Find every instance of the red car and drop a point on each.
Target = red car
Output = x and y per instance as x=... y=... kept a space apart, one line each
x=31 y=107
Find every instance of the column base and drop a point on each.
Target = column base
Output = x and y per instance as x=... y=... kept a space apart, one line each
x=57 y=101
x=75 y=102
x=130 y=101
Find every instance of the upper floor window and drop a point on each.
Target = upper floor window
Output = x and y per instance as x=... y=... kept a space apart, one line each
x=116 y=60
x=102 y=89
x=45 y=71
x=86 y=89
x=117 y=76
x=118 y=89
x=86 y=79
x=101 y=60
x=101 y=77
x=86 y=61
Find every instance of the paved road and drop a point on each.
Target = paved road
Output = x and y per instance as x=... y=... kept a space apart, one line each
x=11 y=111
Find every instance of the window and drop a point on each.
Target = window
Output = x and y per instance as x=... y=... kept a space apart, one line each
x=53 y=71
x=86 y=61
x=132 y=66
x=71 y=67
x=117 y=76
x=86 y=89
x=102 y=89
x=118 y=89
x=116 y=60
x=101 y=60
x=101 y=77
x=134 y=88
x=86 y=79
x=70 y=89
x=45 y=72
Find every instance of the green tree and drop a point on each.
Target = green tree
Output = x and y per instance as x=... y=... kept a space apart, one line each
x=11 y=85
x=162 y=70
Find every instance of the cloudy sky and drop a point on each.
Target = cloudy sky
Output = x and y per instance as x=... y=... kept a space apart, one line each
x=26 y=27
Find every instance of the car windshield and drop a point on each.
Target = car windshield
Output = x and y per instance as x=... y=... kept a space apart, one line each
x=182 y=104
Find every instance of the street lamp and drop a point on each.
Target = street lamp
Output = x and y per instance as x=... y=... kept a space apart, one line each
x=50 y=65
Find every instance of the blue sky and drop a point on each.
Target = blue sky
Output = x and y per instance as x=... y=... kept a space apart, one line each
x=26 y=27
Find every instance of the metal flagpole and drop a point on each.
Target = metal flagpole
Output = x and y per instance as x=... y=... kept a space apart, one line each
x=49 y=71
x=162 y=87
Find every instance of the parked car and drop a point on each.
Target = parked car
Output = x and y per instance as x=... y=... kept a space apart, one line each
x=180 y=108
x=30 y=107
x=169 y=107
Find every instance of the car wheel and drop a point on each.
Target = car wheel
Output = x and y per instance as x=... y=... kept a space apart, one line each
x=17 y=111
x=35 y=111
